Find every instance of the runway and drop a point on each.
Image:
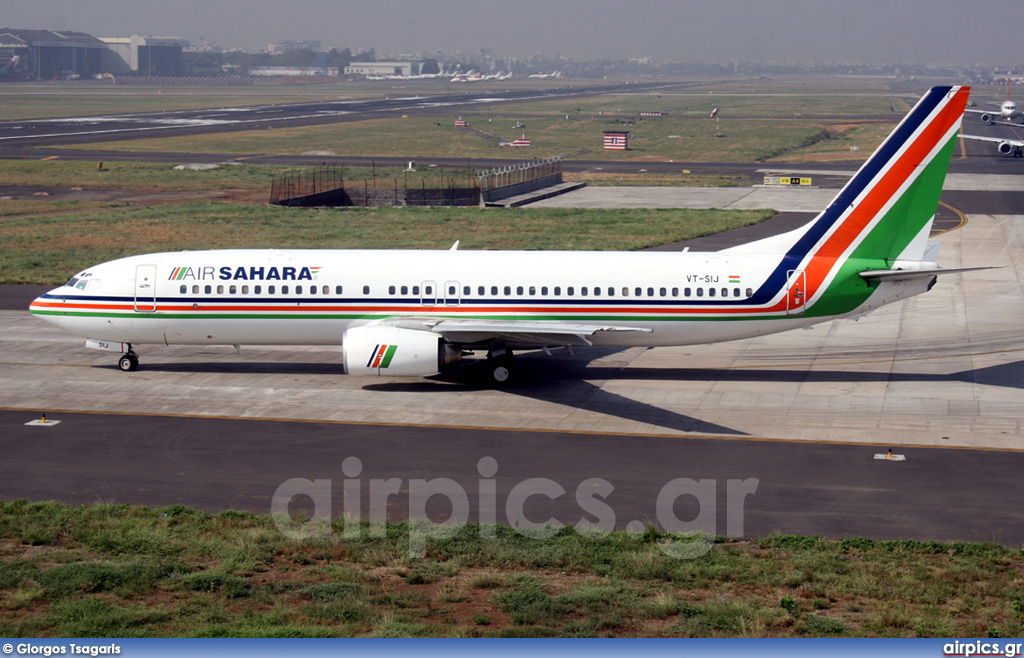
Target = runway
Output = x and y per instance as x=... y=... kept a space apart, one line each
x=937 y=378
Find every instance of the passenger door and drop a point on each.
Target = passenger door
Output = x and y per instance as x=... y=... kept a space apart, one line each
x=145 y=288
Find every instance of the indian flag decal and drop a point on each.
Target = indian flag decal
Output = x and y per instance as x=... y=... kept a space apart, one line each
x=733 y=278
x=315 y=270
x=381 y=356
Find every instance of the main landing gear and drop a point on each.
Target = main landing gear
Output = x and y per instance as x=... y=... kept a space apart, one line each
x=129 y=361
x=500 y=369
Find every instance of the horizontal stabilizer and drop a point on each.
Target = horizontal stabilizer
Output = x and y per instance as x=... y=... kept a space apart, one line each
x=906 y=275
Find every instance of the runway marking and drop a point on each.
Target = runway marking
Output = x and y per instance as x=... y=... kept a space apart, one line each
x=531 y=430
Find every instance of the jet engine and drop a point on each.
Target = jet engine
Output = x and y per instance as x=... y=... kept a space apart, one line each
x=395 y=352
x=986 y=117
x=1006 y=148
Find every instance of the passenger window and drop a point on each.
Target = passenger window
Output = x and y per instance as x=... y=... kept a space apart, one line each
x=675 y=292
x=570 y=291
x=416 y=290
x=183 y=289
x=638 y=291
x=208 y=289
x=662 y=292
x=750 y=292
x=245 y=290
x=257 y=289
x=625 y=291
x=467 y=290
x=480 y=291
x=298 y=290
x=519 y=290
x=405 y=290
x=544 y=290
x=327 y=290
x=494 y=291
x=284 y=290
x=558 y=291
x=611 y=291
x=220 y=290
x=583 y=291
x=451 y=291
x=366 y=290
x=195 y=290
x=391 y=290
x=725 y=292
x=700 y=292
x=735 y=292
x=337 y=290
x=312 y=290
x=650 y=292
x=711 y=292
x=271 y=290
x=533 y=290
x=508 y=290
x=687 y=292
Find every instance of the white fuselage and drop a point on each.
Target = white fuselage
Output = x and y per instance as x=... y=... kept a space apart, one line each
x=292 y=297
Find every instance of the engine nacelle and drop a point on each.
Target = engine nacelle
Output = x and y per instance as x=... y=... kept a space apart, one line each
x=1006 y=148
x=986 y=117
x=395 y=352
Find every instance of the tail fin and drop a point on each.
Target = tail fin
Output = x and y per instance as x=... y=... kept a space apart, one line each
x=885 y=211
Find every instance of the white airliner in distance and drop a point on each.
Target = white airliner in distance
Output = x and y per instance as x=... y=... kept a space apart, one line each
x=415 y=312
x=1008 y=111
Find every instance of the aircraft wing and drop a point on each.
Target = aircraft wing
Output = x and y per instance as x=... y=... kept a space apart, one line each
x=997 y=140
x=997 y=117
x=539 y=333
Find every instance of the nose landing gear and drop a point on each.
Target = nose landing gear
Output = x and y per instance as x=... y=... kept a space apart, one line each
x=129 y=361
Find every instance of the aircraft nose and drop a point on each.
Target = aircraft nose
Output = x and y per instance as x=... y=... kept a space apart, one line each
x=44 y=306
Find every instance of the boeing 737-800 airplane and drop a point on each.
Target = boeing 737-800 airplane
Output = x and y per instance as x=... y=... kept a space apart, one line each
x=412 y=313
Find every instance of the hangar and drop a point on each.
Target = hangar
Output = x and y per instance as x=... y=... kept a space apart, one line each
x=46 y=55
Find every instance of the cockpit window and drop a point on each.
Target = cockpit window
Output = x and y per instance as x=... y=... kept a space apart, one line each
x=82 y=284
x=72 y=282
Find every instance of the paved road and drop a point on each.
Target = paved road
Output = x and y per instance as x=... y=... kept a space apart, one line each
x=814 y=489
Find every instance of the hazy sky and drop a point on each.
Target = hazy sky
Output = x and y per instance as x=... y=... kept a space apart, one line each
x=940 y=31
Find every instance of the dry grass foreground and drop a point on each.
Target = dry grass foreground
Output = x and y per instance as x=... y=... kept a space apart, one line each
x=120 y=571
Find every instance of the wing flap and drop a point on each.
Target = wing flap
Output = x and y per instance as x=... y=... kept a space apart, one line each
x=539 y=333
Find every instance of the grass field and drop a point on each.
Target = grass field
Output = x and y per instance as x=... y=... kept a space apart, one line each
x=120 y=571
x=49 y=249
x=662 y=139
x=764 y=123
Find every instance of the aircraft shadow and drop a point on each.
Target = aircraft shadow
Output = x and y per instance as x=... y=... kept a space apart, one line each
x=240 y=367
x=565 y=384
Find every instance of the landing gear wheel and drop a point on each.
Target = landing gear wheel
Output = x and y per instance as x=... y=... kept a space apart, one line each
x=500 y=370
x=128 y=363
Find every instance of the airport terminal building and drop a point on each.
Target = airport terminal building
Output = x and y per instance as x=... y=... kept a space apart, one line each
x=46 y=55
